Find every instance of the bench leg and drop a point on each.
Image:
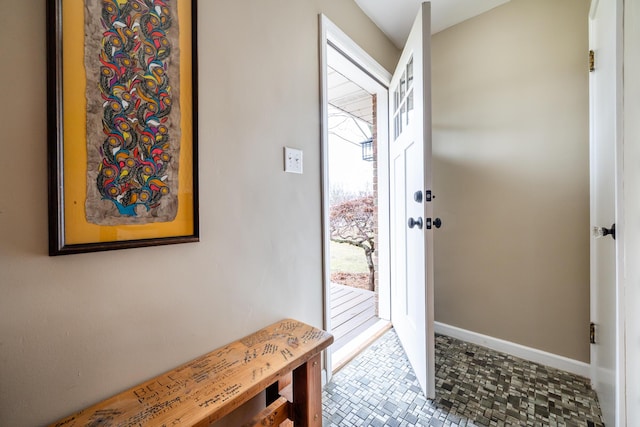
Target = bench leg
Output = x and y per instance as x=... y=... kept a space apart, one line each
x=272 y=393
x=307 y=394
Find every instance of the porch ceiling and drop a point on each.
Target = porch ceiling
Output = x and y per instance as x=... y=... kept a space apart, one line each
x=348 y=97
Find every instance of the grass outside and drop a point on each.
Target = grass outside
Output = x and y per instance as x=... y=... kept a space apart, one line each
x=347 y=259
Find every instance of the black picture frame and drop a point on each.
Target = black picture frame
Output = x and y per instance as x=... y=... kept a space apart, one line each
x=61 y=175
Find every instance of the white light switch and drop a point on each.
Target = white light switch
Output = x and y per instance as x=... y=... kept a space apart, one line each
x=292 y=160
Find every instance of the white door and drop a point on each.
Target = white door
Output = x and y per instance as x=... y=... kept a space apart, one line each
x=411 y=214
x=604 y=109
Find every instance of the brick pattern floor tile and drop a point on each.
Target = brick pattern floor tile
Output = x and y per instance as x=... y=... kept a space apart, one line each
x=475 y=386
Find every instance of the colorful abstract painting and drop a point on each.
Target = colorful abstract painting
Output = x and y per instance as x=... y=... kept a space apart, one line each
x=133 y=117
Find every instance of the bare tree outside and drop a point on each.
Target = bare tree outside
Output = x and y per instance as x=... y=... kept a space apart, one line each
x=352 y=222
x=352 y=205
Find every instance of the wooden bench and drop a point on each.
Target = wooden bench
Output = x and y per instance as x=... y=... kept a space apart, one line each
x=210 y=387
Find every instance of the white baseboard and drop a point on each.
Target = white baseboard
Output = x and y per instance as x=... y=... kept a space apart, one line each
x=517 y=350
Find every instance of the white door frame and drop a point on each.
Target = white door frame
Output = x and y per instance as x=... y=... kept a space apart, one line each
x=631 y=210
x=620 y=375
x=331 y=35
x=620 y=313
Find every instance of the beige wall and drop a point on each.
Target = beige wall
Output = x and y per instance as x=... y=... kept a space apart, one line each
x=511 y=175
x=71 y=333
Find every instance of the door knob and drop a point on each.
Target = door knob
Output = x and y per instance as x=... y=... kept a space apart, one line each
x=436 y=222
x=417 y=196
x=603 y=231
x=415 y=222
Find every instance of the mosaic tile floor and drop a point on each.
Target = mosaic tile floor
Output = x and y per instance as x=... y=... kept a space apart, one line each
x=475 y=386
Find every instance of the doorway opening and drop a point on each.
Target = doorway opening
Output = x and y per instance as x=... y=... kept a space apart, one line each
x=353 y=214
x=355 y=196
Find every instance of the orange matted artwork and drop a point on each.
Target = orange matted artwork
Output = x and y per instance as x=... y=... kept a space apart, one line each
x=122 y=124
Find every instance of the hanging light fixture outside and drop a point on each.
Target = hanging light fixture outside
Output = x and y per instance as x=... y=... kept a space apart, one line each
x=367 y=150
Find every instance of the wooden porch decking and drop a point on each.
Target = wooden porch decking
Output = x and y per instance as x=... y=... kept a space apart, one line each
x=353 y=311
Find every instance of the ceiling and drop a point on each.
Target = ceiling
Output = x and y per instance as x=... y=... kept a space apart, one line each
x=348 y=97
x=395 y=17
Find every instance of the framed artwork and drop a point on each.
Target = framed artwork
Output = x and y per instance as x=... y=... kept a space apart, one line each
x=122 y=124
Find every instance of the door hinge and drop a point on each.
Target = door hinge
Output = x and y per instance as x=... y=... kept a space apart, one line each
x=592 y=61
x=592 y=333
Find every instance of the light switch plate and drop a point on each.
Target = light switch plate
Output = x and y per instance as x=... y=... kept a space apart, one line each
x=292 y=160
